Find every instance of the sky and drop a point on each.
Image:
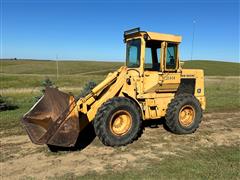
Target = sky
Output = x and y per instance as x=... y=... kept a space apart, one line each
x=93 y=30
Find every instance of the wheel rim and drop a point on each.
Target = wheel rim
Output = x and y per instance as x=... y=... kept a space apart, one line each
x=120 y=123
x=186 y=115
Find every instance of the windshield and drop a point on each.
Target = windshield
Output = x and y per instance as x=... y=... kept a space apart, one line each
x=133 y=53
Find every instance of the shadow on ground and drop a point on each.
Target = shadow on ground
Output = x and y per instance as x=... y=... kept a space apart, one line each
x=87 y=136
x=84 y=139
x=155 y=123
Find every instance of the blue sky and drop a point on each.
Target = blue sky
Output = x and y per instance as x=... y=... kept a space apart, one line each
x=93 y=30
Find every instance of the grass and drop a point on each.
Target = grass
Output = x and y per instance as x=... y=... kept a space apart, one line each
x=223 y=94
x=10 y=120
x=71 y=73
x=215 y=163
x=215 y=68
x=34 y=81
x=49 y=67
x=41 y=67
x=76 y=73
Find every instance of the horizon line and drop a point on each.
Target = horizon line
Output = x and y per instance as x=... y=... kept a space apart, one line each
x=101 y=60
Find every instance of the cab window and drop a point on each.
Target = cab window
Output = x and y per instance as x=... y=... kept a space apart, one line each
x=133 y=53
x=152 y=55
x=171 y=60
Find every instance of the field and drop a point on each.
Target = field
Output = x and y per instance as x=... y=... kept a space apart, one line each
x=212 y=152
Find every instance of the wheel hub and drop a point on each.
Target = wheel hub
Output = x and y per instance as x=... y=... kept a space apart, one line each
x=120 y=123
x=186 y=115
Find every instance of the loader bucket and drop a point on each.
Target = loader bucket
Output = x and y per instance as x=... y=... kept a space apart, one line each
x=53 y=119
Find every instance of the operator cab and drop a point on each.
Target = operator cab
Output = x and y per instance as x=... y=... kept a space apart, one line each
x=156 y=58
x=160 y=51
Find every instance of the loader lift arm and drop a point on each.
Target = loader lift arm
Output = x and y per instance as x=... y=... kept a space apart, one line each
x=65 y=117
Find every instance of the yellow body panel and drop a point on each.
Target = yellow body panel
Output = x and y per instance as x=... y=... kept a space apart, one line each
x=155 y=96
x=165 y=37
x=198 y=75
x=157 y=36
x=199 y=92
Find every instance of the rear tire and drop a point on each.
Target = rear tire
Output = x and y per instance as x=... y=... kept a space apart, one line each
x=118 y=122
x=184 y=114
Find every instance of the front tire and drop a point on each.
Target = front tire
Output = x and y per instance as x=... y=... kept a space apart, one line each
x=184 y=114
x=118 y=122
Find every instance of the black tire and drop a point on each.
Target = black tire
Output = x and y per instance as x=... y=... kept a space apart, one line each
x=105 y=115
x=173 y=121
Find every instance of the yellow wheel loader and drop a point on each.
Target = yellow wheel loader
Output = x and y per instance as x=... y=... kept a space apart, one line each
x=151 y=85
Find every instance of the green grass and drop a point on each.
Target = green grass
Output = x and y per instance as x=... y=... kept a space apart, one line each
x=215 y=68
x=215 y=163
x=30 y=74
x=34 y=81
x=223 y=94
x=211 y=68
x=10 y=120
x=49 y=67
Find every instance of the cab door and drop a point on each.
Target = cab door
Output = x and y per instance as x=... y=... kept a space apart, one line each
x=161 y=75
x=169 y=80
x=151 y=67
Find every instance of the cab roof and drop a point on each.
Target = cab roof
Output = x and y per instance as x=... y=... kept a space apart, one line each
x=132 y=33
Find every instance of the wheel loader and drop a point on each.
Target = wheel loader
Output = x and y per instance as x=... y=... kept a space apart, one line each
x=152 y=84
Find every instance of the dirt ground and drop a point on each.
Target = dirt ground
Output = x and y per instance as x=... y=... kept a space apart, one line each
x=20 y=158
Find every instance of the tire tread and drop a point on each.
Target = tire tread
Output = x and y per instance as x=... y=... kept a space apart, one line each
x=99 y=125
x=172 y=114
